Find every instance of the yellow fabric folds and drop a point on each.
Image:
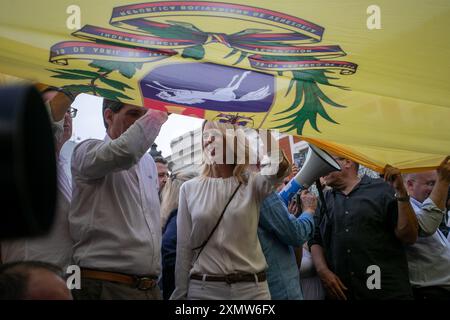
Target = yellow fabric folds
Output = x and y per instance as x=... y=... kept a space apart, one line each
x=370 y=82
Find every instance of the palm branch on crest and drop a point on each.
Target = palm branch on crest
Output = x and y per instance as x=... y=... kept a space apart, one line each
x=309 y=100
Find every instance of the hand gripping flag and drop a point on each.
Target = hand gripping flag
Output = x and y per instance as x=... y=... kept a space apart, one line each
x=369 y=82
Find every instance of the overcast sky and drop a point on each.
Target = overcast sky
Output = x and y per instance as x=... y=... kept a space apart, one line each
x=89 y=123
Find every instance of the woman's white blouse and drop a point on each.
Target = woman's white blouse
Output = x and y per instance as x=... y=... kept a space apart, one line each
x=234 y=246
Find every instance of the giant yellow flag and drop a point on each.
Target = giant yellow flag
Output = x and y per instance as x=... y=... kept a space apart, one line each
x=368 y=81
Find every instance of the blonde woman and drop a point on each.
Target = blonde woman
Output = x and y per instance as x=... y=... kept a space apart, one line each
x=218 y=252
x=169 y=207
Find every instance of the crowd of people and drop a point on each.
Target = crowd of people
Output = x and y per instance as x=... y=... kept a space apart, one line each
x=137 y=231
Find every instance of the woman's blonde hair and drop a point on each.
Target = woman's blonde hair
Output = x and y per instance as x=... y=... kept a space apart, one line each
x=171 y=192
x=236 y=139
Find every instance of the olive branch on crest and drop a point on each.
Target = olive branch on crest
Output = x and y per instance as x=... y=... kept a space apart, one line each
x=104 y=69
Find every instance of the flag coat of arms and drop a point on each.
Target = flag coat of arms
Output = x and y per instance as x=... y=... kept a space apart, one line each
x=367 y=81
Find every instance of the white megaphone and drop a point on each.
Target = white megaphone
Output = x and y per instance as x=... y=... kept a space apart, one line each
x=318 y=163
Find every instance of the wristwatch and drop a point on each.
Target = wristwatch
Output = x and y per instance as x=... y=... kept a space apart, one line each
x=401 y=199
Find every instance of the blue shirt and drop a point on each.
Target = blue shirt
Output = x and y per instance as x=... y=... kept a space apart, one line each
x=169 y=240
x=278 y=231
x=168 y=255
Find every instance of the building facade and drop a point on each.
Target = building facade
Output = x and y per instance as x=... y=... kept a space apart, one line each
x=187 y=151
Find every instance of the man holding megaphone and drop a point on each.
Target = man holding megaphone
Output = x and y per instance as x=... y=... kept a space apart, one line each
x=280 y=232
x=317 y=164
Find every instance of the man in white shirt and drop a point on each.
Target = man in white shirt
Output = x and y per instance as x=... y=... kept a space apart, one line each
x=114 y=218
x=429 y=257
x=56 y=246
